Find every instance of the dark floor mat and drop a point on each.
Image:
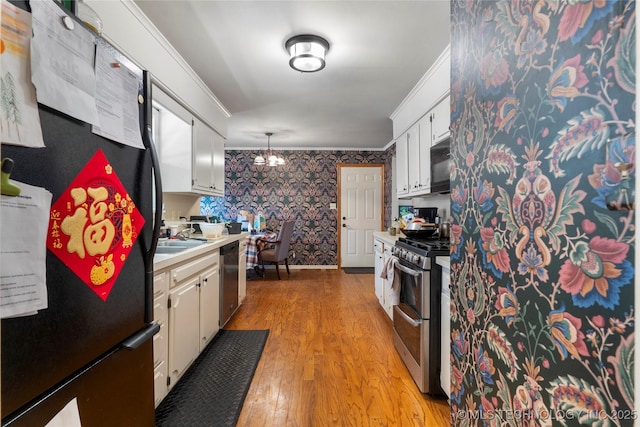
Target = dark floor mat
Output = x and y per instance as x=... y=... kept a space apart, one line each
x=212 y=391
x=358 y=270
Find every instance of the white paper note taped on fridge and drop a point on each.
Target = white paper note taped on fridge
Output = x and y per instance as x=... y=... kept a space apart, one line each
x=69 y=416
x=18 y=109
x=116 y=100
x=62 y=63
x=23 y=251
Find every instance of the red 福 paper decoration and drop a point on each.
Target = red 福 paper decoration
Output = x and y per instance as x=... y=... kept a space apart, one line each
x=94 y=224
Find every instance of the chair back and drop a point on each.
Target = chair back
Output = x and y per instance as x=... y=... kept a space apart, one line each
x=281 y=250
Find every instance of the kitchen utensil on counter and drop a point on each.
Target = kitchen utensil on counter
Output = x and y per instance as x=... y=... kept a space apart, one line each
x=210 y=230
x=445 y=230
x=420 y=230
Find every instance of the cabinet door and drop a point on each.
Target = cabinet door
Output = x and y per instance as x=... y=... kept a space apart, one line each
x=172 y=130
x=378 y=251
x=242 y=271
x=413 y=154
x=425 y=155
x=388 y=301
x=402 y=166
x=209 y=305
x=202 y=157
x=161 y=339
x=440 y=121
x=183 y=328
x=218 y=165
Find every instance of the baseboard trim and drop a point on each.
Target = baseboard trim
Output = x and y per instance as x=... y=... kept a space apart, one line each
x=303 y=267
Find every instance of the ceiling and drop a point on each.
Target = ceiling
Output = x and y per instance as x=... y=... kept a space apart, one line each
x=379 y=51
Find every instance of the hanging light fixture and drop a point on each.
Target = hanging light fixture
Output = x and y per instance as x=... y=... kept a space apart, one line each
x=307 y=52
x=271 y=158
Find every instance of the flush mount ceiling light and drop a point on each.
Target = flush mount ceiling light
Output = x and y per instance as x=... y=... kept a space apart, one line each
x=307 y=52
x=271 y=159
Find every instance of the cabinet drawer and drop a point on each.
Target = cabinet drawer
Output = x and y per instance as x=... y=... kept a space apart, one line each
x=160 y=285
x=195 y=267
x=160 y=342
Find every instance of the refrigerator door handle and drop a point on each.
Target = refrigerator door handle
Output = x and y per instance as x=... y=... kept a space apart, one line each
x=155 y=165
x=137 y=339
x=157 y=220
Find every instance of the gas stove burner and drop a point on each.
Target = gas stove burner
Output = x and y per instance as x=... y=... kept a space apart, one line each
x=427 y=245
x=420 y=253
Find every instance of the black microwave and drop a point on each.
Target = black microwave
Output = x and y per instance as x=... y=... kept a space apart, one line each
x=440 y=154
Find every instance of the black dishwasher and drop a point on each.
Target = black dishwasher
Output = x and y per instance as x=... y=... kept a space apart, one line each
x=228 y=281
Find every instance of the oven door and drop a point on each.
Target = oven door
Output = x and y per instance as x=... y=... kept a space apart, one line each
x=412 y=287
x=410 y=335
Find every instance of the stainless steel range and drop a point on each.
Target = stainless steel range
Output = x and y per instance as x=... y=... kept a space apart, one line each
x=416 y=319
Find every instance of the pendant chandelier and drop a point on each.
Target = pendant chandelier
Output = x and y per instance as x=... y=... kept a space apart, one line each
x=269 y=158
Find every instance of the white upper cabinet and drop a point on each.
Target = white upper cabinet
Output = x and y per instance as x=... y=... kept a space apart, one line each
x=424 y=184
x=191 y=153
x=413 y=149
x=440 y=117
x=208 y=160
x=402 y=165
x=414 y=160
x=421 y=120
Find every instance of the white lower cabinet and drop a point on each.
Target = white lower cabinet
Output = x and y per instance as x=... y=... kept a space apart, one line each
x=382 y=286
x=161 y=339
x=193 y=306
x=378 y=281
x=184 y=343
x=209 y=305
x=186 y=305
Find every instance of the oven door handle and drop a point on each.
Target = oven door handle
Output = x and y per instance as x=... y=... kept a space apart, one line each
x=408 y=270
x=406 y=317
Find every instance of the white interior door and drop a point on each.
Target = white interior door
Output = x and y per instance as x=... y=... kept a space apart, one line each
x=360 y=213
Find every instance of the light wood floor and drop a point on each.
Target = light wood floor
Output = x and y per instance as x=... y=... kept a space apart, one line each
x=329 y=358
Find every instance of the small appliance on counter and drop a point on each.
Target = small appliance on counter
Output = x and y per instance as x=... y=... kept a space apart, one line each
x=234 y=227
x=430 y=215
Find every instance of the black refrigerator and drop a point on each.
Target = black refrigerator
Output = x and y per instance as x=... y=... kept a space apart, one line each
x=97 y=351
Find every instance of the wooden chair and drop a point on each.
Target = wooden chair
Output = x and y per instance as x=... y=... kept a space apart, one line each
x=274 y=252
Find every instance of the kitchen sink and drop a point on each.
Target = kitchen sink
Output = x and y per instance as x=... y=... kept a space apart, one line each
x=170 y=249
x=183 y=244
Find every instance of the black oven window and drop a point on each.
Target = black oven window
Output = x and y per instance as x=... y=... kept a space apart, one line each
x=410 y=292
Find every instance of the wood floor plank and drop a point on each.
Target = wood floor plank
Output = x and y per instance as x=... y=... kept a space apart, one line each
x=329 y=359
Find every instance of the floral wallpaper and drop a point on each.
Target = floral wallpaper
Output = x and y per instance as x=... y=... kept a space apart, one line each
x=542 y=279
x=301 y=190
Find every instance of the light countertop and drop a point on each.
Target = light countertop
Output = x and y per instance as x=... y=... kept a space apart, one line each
x=386 y=237
x=444 y=261
x=162 y=261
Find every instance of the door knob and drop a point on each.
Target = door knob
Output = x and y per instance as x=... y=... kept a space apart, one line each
x=344 y=225
x=344 y=218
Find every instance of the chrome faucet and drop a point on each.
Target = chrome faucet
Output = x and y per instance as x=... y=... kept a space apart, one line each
x=185 y=233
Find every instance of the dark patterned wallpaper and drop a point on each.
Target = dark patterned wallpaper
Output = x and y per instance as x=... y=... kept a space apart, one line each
x=301 y=190
x=542 y=281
